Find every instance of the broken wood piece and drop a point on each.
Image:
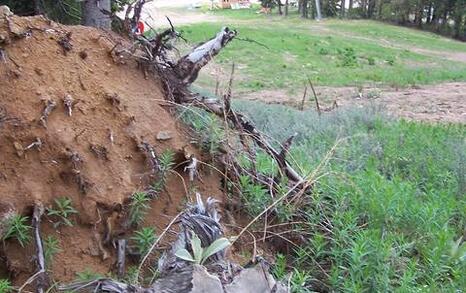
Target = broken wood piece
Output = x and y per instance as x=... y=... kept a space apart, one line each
x=188 y=67
x=68 y=102
x=65 y=43
x=304 y=98
x=99 y=151
x=37 y=144
x=151 y=156
x=49 y=107
x=110 y=136
x=121 y=257
x=42 y=281
x=315 y=96
x=192 y=168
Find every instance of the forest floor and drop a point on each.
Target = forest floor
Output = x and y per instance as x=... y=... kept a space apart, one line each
x=414 y=74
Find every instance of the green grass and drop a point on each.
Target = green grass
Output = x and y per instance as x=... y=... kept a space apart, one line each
x=398 y=35
x=16 y=227
x=298 y=48
x=5 y=286
x=390 y=213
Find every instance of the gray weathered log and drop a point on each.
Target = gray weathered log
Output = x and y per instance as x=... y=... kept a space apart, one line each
x=188 y=67
x=42 y=282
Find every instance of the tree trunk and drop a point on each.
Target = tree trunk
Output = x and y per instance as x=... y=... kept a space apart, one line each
x=429 y=13
x=342 y=8
x=93 y=13
x=419 y=14
x=286 y=8
x=38 y=8
x=279 y=4
x=304 y=9
x=370 y=8
x=319 y=14
x=350 y=7
x=364 y=8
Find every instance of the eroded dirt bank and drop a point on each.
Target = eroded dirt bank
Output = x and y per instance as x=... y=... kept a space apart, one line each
x=94 y=153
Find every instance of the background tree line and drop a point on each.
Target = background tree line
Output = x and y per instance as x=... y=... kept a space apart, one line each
x=97 y=13
x=447 y=17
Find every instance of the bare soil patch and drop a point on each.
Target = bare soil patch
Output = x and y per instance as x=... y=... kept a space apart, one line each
x=434 y=103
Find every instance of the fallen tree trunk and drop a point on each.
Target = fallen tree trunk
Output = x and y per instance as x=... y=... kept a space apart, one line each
x=185 y=71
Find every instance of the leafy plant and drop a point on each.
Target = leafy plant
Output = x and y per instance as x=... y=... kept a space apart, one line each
x=323 y=51
x=166 y=161
x=371 y=61
x=88 y=275
x=138 y=207
x=255 y=196
x=144 y=239
x=16 y=227
x=348 y=57
x=51 y=247
x=200 y=254
x=5 y=286
x=131 y=276
x=299 y=282
x=62 y=210
x=280 y=267
x=390 y=61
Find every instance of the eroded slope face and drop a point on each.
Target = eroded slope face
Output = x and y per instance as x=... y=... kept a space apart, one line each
x=90 y=154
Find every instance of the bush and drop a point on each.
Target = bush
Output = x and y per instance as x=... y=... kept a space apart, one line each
x=17 y=227
x=348 y=57
x=388 y=217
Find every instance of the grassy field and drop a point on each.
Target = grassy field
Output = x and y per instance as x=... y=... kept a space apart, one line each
x=388 y=212
x=331 y=52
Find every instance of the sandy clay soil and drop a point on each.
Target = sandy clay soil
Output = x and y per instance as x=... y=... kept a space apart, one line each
x=434 y=103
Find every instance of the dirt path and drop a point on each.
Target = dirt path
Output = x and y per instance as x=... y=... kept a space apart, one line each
x=435 y=103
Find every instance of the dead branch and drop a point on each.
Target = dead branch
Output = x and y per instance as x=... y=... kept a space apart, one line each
x=49 y=107
x=65 y=43
x=42 y=280
x=68 y=102
x=188 y=67
x=315 y=96
x=304 y=98
x=151 y=156
x=121 y=257
x=37 y=143
x=76 y=163
x=192 y=168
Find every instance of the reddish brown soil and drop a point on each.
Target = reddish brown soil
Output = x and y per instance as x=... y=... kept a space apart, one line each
x=37 y=69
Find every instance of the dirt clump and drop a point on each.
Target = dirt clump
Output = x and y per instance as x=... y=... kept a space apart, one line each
x=72 y=121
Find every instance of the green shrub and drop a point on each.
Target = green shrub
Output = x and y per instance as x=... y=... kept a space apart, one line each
x=62 y=210
x=88 y=275
x=144 y=239
x=201 y=254
x=5 y=286
x=138 y=208
x=17 y=227
x=51 y=247
x=348 y=57
x=388 y=214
